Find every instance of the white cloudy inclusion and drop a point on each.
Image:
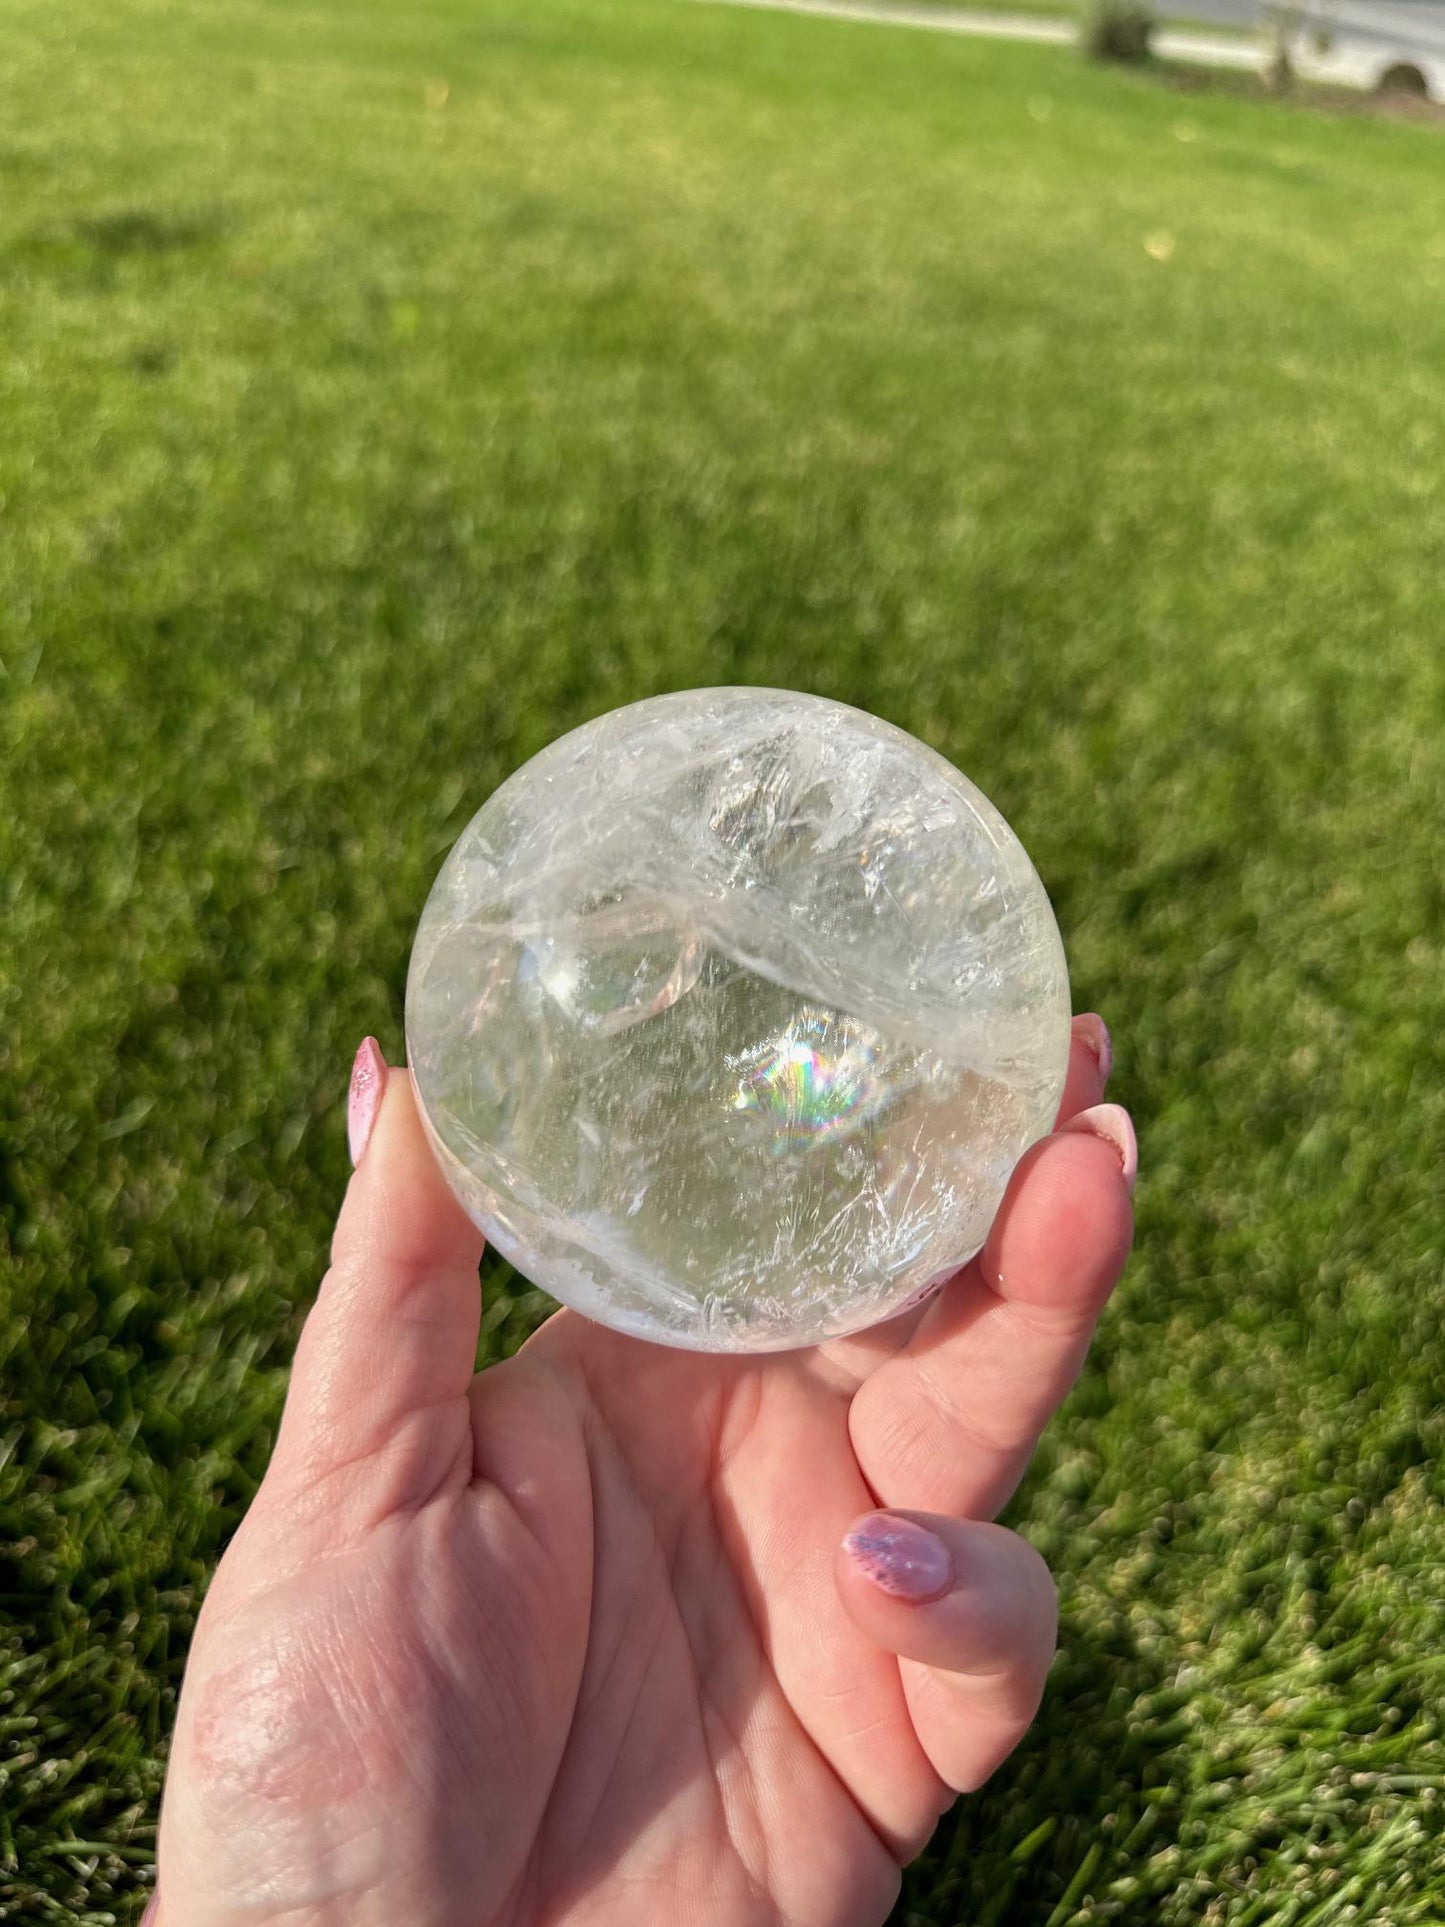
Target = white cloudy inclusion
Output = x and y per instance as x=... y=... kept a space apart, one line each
x=731 y=1013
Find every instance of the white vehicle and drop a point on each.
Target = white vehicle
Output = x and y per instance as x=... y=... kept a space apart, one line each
x=1371 y=44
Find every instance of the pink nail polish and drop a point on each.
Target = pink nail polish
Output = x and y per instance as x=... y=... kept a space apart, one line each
x=1093 y=1033
x=368 y=1081
x=1112 y=1123
x=900 y=1557
x=153 y=1911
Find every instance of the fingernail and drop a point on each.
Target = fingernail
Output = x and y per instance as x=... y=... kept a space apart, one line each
x=1112 y=1123
x=153 y=1911
x=900 y=1557
x=1093 y=1033
x=368 y=1081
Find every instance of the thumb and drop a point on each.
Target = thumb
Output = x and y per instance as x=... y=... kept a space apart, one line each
x=389 y=1348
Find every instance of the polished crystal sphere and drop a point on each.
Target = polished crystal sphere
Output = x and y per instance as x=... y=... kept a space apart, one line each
x=731 y=1013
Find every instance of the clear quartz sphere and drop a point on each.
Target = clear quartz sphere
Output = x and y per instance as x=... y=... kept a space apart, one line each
x=730 y=1014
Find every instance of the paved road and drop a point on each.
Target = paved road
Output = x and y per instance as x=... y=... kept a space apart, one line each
x=1203 y=47
x=1418 y=24
x=992 y=26
x=1356 y=56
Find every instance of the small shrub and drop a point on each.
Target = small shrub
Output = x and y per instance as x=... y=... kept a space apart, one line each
x=1118 y=30
x=1282 y=23
x=1279 y=69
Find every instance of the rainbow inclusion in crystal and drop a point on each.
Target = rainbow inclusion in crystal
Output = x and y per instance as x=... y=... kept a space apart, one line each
x=814 y=1080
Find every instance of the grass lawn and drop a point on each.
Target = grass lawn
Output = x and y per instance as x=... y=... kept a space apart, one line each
x=386 y=388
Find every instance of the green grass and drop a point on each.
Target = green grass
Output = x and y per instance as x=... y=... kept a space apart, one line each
x=386 y=389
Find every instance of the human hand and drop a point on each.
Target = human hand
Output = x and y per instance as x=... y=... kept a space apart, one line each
x=615 y=1634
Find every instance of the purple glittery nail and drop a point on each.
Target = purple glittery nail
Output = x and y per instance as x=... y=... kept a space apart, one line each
x=904 y=1559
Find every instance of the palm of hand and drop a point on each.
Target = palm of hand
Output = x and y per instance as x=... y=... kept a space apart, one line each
x=572 y=1640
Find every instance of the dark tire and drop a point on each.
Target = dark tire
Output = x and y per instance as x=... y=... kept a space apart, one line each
x=1403 y=78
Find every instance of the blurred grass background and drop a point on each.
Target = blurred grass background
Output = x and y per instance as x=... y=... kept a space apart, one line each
x=387 y=389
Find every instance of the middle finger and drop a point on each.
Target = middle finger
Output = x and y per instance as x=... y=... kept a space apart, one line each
x=949 y=1423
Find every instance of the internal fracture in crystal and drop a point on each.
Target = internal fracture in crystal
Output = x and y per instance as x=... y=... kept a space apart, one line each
x=731 y=1013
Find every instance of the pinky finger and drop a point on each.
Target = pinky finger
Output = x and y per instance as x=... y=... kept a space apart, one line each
x=970 y=1611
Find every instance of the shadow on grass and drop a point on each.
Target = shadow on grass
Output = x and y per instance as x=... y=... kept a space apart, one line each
x=149 y=230
x=1100 y=1764
x=93 y=249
